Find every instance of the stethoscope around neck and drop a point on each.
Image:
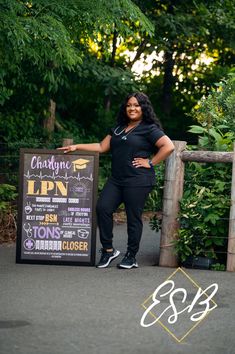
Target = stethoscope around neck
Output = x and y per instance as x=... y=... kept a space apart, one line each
x=117 y=132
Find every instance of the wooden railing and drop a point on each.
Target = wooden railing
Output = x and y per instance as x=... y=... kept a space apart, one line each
x=173 y=191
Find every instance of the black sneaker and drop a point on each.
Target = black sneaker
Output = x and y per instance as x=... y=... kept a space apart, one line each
x=107 y=258
x=128 y=262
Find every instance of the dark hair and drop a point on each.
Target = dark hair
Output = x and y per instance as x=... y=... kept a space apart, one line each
x=149 y=115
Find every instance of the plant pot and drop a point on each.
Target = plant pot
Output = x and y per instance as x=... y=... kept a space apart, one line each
x=197 y=262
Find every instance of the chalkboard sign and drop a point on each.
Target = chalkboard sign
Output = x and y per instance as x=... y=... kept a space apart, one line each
x=57 y=198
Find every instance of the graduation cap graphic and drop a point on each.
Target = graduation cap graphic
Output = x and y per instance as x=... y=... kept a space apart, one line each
x=79 y=164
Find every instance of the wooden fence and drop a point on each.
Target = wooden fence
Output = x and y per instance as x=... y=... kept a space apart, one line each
x=173 y=191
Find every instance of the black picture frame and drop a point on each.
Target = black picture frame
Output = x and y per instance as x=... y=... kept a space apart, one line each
x=27 y=202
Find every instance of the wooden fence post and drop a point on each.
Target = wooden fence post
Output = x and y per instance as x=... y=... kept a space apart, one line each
x=173 y=191
x=67 y=142
x=231 y=235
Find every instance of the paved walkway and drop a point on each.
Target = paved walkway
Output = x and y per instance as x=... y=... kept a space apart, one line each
x=68 y=310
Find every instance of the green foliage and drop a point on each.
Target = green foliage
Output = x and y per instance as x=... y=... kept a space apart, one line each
x=189 y=34
x=52 y=46
x=155 y=223
x=127 y=12
x=216 y=116
x=218 y=267
x=154 y=201
x=78 y=55
x=204 y=212
x=7 y=195
x=15 y=129
x=204 y=208
x=104 y=170
x=215 y=138
x=36 y=38
x=8 y=213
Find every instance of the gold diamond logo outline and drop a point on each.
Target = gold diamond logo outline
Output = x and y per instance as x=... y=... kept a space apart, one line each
x=179 y=340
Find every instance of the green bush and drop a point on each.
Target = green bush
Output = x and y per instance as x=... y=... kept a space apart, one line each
x=204 y=211
x=7 y=213
x=154 y=201
x=7 y=195
x=204 y=208
x=216 y=117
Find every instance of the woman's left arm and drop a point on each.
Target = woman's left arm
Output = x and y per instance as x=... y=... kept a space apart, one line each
x=165 y=148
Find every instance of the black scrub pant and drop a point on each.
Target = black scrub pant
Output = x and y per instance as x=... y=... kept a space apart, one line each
x=134 y=199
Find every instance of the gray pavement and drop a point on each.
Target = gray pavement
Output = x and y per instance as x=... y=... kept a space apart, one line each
x=63 y=309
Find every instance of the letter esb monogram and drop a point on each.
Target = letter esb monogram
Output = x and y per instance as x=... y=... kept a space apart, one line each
x=178 y=309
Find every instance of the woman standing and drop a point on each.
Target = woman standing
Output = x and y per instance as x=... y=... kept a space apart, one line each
x=137 y=144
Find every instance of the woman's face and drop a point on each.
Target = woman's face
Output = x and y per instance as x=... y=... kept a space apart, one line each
x=133 y=110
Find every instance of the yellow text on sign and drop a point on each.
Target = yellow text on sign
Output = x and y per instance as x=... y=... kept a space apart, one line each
x=46 y=187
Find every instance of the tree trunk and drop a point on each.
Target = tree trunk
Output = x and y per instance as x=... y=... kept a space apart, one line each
x=139 y=51
x=168 y=70
x=115 y=37
x=49 y=121
x=112 y=64
x=168 y=83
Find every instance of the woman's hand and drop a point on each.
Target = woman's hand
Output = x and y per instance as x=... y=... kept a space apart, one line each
x=69 y=148
x=140 y=162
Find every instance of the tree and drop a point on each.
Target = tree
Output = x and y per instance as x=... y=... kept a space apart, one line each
x=188 y=33
x=74 y=60
x=50 y=41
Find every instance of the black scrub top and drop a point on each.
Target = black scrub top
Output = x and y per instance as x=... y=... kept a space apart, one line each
x=139 y=142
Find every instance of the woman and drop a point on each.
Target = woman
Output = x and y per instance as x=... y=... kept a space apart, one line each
x=136 y=137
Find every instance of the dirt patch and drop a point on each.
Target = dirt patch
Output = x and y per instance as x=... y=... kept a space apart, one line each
x=7 y=228
x=120 y=216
